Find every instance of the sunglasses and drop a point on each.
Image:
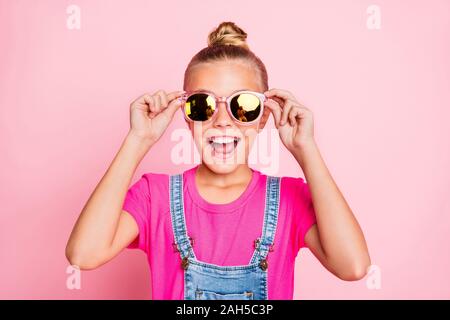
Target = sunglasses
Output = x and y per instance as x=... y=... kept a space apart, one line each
x=244 y=107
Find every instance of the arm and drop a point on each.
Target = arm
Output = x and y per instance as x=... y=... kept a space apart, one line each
x=337 y=239
x=103 y=229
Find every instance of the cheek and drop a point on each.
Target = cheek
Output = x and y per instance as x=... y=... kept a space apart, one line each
x=250 y=133
x=198 y=131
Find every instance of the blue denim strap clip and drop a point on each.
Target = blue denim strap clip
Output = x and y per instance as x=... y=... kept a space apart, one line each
x=176 y=246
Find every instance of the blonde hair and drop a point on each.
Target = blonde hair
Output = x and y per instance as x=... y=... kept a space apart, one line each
x=228 y=42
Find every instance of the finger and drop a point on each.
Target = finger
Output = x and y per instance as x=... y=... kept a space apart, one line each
x=284 y=94
x=157 y=100
x=293 y=115
x=145 y=103
x=175 y=94
x=167 y=98
x=163 y=98
x=301 y=112
x=275 y=110
x=280 y=101
x=286 y=109
x=172 y=107
x=146 y=100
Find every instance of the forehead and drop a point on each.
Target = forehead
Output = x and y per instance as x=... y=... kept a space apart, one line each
x=223 y=77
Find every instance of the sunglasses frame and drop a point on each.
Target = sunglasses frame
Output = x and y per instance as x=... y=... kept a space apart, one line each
x=187 y=94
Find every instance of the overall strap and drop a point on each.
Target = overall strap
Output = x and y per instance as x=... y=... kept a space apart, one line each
x=182 y=241
x=264 y=244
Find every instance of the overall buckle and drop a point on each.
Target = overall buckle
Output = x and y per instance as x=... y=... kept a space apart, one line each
x=177 y=249
x=264 y=264
x=257 y=242
x=185 y=263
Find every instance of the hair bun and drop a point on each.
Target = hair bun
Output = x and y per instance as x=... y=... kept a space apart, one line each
x=228 y=33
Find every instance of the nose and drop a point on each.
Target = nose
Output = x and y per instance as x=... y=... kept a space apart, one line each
x=222 y=119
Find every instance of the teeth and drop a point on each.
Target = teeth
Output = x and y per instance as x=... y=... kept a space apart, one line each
x=223 y=139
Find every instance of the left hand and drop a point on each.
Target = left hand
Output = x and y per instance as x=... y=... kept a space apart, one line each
x=293 y=120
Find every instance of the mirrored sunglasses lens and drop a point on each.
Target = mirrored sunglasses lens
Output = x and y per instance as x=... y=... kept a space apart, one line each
x=245 y=107
x=200 y=107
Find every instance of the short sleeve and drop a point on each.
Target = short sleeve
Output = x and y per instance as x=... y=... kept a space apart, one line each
x=137 y=203
x=305 y=214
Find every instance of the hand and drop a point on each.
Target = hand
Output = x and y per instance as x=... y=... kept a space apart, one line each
x=150 y=115
x=293 y=120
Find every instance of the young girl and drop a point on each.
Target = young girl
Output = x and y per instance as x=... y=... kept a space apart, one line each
x=221 y=230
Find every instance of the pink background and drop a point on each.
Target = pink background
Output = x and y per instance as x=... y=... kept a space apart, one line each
x=380 y=100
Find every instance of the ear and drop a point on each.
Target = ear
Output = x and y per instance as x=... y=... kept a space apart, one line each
x=264 y=118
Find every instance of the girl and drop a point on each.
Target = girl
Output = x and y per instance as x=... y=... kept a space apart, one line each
x=221 y=230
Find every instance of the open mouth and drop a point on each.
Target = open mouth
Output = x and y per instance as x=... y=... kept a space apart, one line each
x=223 y=146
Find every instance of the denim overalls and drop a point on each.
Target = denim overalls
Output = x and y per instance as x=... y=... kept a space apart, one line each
x=205 y=281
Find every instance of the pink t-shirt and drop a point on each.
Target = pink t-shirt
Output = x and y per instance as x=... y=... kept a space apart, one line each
x=223 y=233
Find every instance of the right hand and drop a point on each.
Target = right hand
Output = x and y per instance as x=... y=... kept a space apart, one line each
x=150 y=115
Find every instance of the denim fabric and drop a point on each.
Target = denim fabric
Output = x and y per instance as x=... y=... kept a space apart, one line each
x=205 y=281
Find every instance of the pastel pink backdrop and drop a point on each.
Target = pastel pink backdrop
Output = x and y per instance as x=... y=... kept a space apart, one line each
x=380 y=100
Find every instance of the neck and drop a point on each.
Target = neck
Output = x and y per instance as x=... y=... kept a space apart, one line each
x=241 y=175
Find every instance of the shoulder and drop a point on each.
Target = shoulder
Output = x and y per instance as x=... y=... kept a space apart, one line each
x=155 y=177
x=295 y=192
x=291 y=188
x=292 y=182
x=287 y=183
x=291 y=185
x=152 y=183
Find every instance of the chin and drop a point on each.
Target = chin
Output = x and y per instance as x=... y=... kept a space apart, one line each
x=221 y=168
